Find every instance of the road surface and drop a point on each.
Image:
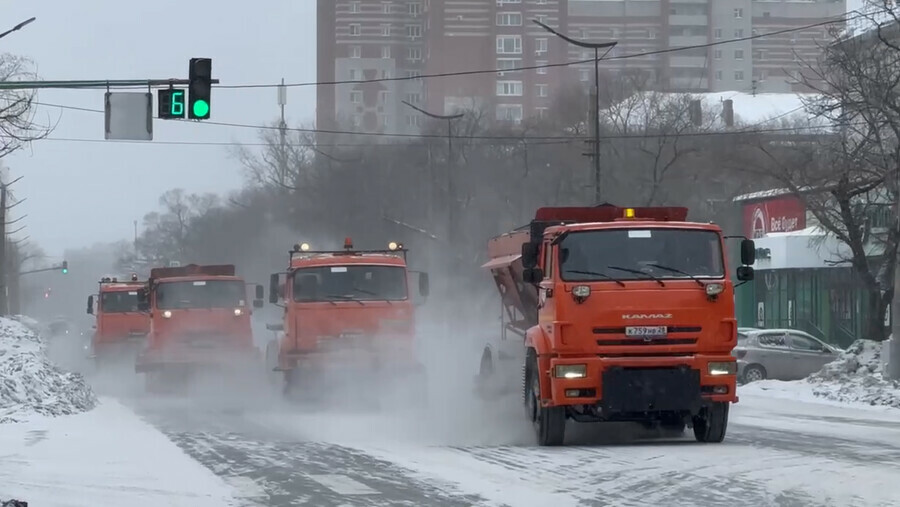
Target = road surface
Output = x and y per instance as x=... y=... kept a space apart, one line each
x=777 y=452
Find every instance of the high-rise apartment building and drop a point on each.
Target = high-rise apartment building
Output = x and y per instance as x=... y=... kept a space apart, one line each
x=366 y=39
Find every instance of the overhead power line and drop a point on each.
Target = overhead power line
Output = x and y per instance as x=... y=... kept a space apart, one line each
x=841 y=19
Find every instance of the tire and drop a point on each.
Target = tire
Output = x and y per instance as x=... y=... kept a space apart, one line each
x=754 y=373
x=549 y=422
x=711 y=423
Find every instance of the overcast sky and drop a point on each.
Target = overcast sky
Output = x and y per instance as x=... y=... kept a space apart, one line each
x=79 y=193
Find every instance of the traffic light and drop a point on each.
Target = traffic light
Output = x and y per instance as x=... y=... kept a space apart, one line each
x=171 y=103
x=65 y=267
x=199 y=89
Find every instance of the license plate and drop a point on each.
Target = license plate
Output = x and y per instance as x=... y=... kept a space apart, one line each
x=646 y=331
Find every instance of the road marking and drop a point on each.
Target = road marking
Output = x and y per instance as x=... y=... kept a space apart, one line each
x=343 y=485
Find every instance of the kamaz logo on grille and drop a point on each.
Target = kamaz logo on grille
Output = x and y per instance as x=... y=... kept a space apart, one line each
x=647 y=316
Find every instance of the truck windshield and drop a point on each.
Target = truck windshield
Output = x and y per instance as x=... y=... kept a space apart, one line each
x=636 y=254
x=119 y=302
x=201 y=294
x=354 y=282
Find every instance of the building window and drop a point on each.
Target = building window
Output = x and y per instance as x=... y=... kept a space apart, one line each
x=718 y=75
x=540 y=69
x=540 y=46
x=356 y=97
x=651 y=34
x=385 y=51
x=542 y=90
x=504 y=2
x=505 y=65
x=509 y=112
x=509 y=88
x=386 y=74
x=542 y=18
x=738 y=75
x=414 y=31
x=738 y=13
x=354 y=7
x=738 y=33
x=584 y=75
x=718 y=33
x=412 y=74
x=738 y=54
x=509 y=19
x=414 y=98
x=541 y=112
x=386 y=7
x=356 y=120
x=412 y=120
x=355 y=51
x=384 y=96
x=355 y=29
x=509 y=44
x=415 y=9
x=717 y=54
x=414 y=54
x=386 y=30
x=384 y=120
x=354 y=74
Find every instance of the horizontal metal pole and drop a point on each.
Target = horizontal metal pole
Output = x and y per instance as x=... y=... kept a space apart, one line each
x=113 y=83
x=55 y=268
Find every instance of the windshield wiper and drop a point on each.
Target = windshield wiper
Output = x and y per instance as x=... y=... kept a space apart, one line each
x=345 y=298
x=629 y=270
x=370 y=293
x=673 y=270
x=594 y=273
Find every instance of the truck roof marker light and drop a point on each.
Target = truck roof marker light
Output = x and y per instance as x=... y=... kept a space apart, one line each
x=629 y=213
x=304 y=247
x=134 y=277
x=393 y=245
x=348 y=243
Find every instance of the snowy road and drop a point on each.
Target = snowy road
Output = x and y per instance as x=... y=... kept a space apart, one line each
x=777 y=452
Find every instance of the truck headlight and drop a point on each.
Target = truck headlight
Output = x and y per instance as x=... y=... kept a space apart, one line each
x=570 y=371
x=167 y=314
x=238 y=312
x=714 y=289
x=581 y=291
x=722 y=368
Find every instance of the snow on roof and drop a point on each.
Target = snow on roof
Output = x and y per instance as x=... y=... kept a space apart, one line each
x=865 y=15
x=814 y=230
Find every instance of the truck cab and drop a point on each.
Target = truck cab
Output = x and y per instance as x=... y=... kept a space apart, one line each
x=624 y=314
x=342 y=303
x=120 y=326
x=199 y=316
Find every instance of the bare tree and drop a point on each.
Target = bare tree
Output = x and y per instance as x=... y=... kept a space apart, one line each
x=17 y=125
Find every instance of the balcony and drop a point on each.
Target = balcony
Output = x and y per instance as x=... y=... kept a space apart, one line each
x=689 y=20
x=687 y=61
x=677 y=41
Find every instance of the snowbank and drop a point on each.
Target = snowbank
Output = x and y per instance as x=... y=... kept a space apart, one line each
x=857 y=376
x=107 y=456
x=30 y=383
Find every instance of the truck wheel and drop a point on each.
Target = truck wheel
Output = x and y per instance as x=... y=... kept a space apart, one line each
x=711 y=423
x=549 y=422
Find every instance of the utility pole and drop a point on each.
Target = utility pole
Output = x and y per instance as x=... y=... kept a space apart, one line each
x=893 y=364
x=595 y=100
x=4 y=258
x=282 y=134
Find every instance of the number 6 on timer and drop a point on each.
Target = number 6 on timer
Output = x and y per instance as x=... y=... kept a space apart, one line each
x=170 y=103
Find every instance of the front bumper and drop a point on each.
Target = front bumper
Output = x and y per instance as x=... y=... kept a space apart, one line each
x=642 y=384
x=155 y=360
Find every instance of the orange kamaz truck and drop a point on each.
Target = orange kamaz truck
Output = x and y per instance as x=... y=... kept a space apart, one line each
x=120 y=327
x=348 y=319
x=199 y=320
x=616 y=314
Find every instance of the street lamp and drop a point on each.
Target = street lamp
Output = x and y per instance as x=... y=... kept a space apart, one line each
x=595 y=104
x=17 y=27
x=451 y=188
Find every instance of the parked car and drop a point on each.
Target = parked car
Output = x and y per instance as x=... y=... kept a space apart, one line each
x=780 y=354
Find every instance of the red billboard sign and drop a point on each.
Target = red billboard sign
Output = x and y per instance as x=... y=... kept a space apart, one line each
x=778 y=214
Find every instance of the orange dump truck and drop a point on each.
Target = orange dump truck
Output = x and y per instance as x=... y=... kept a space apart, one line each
x=620 y=314
x=199 y=319
x=348 y=313
x=120 y=328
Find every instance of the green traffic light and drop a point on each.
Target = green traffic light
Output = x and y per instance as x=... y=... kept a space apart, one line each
x=65 y=270
x=201 y=108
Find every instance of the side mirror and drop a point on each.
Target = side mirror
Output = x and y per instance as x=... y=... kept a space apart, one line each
x=424 y=287
x=260 y=292
x=258 y=303
x=530 y=254
x=273 y=288
x=90 y=306
x=748 y=252
x=745 y=273
x=533 y=275
x=142 y=296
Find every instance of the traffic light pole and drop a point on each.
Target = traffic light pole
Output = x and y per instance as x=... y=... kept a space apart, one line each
x=122 y=83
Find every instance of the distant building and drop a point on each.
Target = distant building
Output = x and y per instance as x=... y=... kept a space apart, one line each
x=369 y=39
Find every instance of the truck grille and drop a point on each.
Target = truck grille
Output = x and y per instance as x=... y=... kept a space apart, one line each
x=615 y=336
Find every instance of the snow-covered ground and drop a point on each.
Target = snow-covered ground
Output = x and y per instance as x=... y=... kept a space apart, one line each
x=106 y=456
x=30 y=383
